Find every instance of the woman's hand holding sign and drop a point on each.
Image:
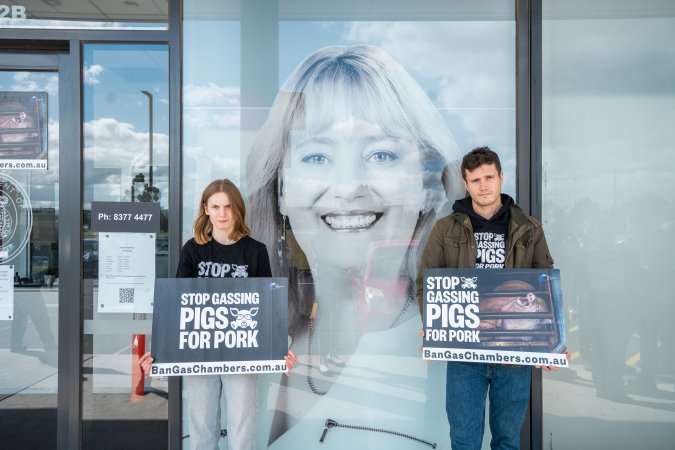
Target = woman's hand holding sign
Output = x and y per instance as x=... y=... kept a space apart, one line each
x=291 y=360
x=145 y=362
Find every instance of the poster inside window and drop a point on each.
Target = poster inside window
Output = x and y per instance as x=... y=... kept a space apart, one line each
x=23 y=130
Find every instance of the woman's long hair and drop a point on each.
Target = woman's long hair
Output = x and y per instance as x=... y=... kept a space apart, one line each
x=202 y=225
x=337 y=82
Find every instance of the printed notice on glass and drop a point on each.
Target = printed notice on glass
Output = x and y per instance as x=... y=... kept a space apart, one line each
x=498 y=316
x=6 y=292
x=126 y=272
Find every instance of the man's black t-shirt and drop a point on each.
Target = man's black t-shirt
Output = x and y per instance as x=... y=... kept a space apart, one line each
x=490 y=234
x=245 y=258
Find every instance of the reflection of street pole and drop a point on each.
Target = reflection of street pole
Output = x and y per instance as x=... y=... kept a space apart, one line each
x=149 y=95
x=138 y=340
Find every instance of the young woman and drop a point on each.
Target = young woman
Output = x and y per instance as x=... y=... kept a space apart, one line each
x=346 y=177
x=221 y=239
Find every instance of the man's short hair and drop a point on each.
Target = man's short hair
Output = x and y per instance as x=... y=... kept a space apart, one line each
x=477 y=157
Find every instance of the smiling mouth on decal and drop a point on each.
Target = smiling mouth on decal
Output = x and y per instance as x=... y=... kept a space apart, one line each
x=352 y=221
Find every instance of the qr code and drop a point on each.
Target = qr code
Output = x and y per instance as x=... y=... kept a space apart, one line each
x=126 y=295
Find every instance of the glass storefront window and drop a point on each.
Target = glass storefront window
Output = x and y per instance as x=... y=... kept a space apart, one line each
x=126 y=129
x=608 y=208
x=29 y=257
x=344 y=178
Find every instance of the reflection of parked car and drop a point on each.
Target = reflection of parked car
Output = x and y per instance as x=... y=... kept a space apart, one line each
x=90 y=258
x=383 y=289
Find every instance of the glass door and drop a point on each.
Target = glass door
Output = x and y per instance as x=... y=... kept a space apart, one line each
x=29 y=249
x=125 y=176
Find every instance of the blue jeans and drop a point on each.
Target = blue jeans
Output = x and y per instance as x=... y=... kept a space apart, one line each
x=203 y=395
x=467 y=386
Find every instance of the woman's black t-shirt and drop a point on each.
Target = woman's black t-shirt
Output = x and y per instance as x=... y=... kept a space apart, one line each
x=245 y=258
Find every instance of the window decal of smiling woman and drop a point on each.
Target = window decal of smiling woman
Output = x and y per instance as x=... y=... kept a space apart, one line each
x=345 y=179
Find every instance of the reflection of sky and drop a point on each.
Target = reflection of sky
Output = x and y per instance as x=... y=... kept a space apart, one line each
x=118 y=74
x=608 y=114
x=211 y=52
x=116 y=116
x=211 y=114
x=467 y=69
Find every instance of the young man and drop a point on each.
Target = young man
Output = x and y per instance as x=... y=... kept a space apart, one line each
x=485 y=220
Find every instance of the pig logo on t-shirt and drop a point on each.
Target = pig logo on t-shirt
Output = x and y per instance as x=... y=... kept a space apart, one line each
x=239 y=271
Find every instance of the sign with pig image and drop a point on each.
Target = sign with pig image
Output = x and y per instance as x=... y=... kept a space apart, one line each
x=500 y=316
x=23 y=130
x=208 y=326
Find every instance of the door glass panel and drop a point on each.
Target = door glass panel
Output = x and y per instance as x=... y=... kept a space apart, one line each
x=609 y=205
x=125 y=161
x=29 y=252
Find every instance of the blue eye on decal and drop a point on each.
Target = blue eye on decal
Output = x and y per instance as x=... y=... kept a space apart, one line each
x=316 y=159
x=382 y=156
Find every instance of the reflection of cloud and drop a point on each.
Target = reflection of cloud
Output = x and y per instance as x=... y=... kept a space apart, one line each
x=201 y=166
x=607 y=120
x=469 y=64
x=211 y=105
x=615 y=56
x=467 y=68
x=216 y=161
x=112 y=144
x=209 y=118
x=35 y=81
x=91 y=73
x=210 y=95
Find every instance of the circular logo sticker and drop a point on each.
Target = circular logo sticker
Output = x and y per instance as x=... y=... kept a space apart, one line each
x=16 y=218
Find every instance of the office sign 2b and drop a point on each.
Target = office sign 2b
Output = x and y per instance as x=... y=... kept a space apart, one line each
x=502 y=316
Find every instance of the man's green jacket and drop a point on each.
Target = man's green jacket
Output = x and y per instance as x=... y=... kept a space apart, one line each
x=451 y=245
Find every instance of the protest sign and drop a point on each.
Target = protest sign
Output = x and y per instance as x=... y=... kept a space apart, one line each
x=502 y=316
x=208 y=326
